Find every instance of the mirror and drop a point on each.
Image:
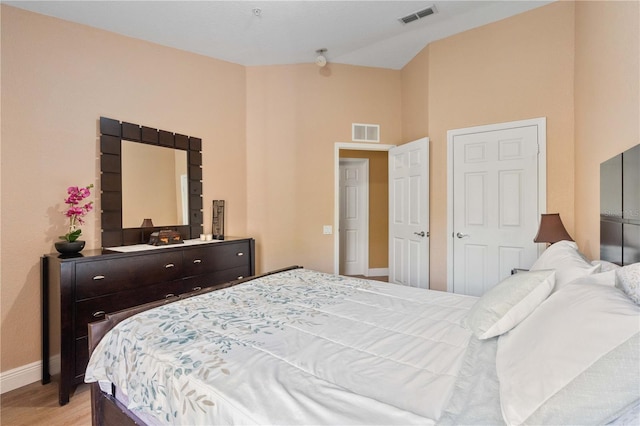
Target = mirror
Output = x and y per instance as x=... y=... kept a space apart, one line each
x=148 y=173
x=154 y=185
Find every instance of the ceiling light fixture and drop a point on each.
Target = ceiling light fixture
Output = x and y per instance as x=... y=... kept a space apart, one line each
x=321 y=60
x=257 y=11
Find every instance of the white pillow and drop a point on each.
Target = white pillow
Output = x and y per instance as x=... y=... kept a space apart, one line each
x=567 y=261
x=628 y=280
x=509 y=302
x=574 y=360
x=602 y=278
x=605 y=266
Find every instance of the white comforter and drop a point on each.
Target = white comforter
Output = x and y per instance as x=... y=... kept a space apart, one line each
x=299 y=347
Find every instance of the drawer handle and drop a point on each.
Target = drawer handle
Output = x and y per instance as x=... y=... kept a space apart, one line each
x=98 y=277
x=240 y=254
x=240 y=277
x=197 y=261
x=169 y=265
x=98 y=314
x=197 y=288
x=169 y=296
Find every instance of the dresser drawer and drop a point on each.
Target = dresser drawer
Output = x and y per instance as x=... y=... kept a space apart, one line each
x=227 y=275
x=214 y=279
x=107 y=276
x=90 y=310
x=212 y=257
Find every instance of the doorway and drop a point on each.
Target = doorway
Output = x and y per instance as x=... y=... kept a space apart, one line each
x=402 y=244
x=496 y=192
x=377 y=246
x=354 y=216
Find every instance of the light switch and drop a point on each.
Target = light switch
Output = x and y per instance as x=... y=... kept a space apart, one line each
x=327 y=229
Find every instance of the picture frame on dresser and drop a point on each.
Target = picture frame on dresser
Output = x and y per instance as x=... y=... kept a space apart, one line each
x=82 y=288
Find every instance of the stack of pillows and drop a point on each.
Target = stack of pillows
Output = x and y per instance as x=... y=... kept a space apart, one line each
x=569 y=339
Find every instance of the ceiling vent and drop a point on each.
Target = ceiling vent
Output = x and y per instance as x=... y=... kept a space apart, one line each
x=419 y=14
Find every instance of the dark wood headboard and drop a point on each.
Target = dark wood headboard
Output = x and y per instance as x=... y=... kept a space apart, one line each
x=620 y=208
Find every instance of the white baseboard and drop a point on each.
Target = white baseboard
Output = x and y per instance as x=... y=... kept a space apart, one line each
x=378 y=272
x=26 y=374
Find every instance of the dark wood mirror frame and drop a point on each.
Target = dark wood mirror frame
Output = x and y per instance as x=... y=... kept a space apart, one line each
x=112 y=132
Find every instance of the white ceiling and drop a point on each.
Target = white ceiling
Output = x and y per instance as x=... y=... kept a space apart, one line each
x=366 y=33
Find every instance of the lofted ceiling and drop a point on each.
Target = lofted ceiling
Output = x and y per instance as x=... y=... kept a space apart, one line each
x=246 y=32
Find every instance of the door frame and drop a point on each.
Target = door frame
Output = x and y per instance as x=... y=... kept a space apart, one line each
x=358 y=146
x=541 y=124
x=363 y=220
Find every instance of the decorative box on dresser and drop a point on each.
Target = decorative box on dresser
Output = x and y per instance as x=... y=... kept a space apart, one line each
x=79 y=289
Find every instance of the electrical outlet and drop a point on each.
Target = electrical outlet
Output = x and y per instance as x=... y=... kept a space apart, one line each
x=327 y=229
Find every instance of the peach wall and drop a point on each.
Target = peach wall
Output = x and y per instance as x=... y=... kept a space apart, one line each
x=415 y=97
x=58 y=78
x=607 y=102
x=378 y=204
x=514 y=69
x=295 y=115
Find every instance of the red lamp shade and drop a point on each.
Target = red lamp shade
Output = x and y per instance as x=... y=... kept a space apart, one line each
x=551 y=229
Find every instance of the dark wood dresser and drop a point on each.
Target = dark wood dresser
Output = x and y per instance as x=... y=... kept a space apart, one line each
x=79 y=289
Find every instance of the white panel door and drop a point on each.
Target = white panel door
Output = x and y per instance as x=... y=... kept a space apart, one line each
x=409 y=214
x=354 y=187
x=495 y=206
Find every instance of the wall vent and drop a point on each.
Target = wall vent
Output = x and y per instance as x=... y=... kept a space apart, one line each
x=365 y=132
x=418 y=15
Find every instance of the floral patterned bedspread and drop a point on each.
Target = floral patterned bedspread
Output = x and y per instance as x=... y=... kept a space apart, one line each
x=297 y=347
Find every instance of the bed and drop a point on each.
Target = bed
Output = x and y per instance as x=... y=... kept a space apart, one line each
x=558 y=344
x=304 y=347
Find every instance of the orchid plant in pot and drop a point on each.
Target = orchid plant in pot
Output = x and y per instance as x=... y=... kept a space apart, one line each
x=75 y=212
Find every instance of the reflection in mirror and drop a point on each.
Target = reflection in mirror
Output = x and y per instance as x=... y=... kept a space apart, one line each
x=154 y=185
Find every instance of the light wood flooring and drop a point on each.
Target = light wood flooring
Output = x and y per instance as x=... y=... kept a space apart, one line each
x=37 y=404
x=383 y=279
